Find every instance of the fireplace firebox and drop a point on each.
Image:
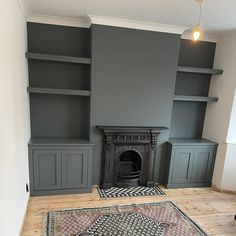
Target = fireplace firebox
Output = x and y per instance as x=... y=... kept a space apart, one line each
x=128 y=169
x=129 y=155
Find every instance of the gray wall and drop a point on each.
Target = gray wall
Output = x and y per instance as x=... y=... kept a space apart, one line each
x=132 y=82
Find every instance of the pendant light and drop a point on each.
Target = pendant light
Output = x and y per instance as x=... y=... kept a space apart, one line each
x=197 y=32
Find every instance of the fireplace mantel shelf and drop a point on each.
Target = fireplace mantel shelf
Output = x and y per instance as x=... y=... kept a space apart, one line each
x=133 y=129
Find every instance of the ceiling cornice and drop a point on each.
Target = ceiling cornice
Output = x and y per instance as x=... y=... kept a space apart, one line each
x=86 y=22
x=59 y=20
x=134 y=24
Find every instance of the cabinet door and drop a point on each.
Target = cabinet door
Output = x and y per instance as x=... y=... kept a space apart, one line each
x=75 y=168
x=47 y=169
x=182 y=165
x=202 y=165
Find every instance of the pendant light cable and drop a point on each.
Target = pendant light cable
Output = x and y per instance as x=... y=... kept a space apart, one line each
x=200 y=13
x=197 y=30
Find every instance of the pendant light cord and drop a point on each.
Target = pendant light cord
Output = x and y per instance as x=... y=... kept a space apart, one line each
x=200 y=14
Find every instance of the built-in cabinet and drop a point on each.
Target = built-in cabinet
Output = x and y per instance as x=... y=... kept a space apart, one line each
x=59 y=89
x=190 y=163
x=190 y=158
x=59 y=166
x=59 y=62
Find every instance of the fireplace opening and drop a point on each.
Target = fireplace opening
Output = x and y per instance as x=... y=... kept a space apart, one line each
x=128 y=169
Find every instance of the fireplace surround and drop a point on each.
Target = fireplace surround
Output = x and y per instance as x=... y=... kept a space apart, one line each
x=129 y=154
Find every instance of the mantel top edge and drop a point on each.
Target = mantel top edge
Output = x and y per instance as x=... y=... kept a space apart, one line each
x=131 y=128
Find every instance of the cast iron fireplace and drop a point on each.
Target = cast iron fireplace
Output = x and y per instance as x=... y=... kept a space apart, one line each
x=129 y=155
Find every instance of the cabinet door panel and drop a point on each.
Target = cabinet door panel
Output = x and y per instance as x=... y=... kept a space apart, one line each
x=202 y=165
x=47 y=169
x=75 y=171
x=182 y=165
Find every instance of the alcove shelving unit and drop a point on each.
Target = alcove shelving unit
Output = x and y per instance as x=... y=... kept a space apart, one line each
x=194 y=75
x=200 y=72
x=59 y=89
x=59 y=81
x=190 y=158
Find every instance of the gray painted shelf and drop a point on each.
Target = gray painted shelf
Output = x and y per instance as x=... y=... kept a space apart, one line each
x=59 y=91
x=58 y=58
x=191 y=141
x=199 y=70
x=59 y=141
x=195 y=98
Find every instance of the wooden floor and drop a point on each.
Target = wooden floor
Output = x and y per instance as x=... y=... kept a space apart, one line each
x=211 y=210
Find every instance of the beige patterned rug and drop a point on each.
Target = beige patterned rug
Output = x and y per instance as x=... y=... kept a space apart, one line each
x=150 y=219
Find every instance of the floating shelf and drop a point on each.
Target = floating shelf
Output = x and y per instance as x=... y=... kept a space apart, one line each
x=58 y=58
x=59 y=141
x=195 y=98
x=199 y=70
x=59 y=91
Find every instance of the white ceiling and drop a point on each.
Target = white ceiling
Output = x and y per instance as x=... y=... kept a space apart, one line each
x=218 y=15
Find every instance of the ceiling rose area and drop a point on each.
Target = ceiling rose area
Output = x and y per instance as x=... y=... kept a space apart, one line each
x=218 y=15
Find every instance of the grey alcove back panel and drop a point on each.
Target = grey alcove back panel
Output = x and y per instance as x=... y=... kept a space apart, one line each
x=133 y=75
x=197 y=54
x=59 y=116
x=192 y=84
x=59 y=40
x=45 y=74
x=187 y=119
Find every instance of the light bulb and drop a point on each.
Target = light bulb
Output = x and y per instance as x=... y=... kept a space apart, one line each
x=197 y=33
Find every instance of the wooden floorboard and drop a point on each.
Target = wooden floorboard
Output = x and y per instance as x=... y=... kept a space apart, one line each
x=211 y=210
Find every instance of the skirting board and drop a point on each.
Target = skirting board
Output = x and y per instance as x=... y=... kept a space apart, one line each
x=223 y=190
x=23 y=221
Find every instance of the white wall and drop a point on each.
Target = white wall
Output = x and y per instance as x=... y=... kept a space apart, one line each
x=229 y=173
x=14 y=118
x=219 y=114
x=231 y=137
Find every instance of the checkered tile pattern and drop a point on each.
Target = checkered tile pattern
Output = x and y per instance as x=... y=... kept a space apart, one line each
x=130 y=192
x=128 y=224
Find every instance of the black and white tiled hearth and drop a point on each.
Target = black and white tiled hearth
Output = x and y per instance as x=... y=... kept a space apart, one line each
x=115 y=192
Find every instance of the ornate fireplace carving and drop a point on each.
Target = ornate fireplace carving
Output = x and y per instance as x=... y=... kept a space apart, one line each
x=129 y=142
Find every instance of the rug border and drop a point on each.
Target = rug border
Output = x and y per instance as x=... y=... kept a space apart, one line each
x=188 y=218
x=100 y=193
x=183 y=215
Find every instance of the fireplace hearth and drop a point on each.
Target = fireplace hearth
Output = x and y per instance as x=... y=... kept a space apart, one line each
x=129 y=155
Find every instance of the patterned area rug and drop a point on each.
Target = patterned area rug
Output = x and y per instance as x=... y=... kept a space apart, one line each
x=130 y=192
x=151 y=219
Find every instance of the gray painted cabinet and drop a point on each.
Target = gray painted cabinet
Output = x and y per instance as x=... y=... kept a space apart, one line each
x=59 y=167
x=190 y=163
x=202 y=165
x=182 y=164
x=75 y=165
x=46 y=169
